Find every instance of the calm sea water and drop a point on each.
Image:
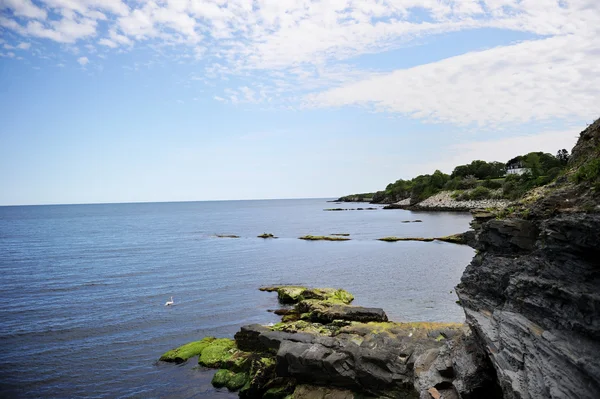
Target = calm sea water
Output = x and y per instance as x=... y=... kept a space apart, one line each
x=83 y=287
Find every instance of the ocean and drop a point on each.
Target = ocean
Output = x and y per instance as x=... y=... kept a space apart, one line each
x=83 y=287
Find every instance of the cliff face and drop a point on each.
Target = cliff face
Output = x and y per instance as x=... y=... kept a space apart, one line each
x=532 y=293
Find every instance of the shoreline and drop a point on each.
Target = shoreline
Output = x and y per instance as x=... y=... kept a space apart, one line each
x=326 y=347
x=444 y=202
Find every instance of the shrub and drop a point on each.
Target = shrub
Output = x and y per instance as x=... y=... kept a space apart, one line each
x=588 y=172
x=480 y=193
x=467 y=183
x=492 y=184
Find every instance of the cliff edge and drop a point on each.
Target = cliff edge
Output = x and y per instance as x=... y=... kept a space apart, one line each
x=531 y=295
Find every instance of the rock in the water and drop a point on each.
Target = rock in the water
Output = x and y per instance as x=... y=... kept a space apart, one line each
x=183 y=353
x=229 y=379
x=217 y=353
x=291 y=294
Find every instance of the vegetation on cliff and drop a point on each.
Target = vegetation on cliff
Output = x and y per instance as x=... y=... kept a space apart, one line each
x=479 y=180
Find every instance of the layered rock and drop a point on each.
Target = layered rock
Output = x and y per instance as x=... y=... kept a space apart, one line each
x=532 y=293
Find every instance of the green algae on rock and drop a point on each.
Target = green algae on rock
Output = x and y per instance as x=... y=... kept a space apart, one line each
x=394 y=239
x=323 y=238
x=184 y=352
x=454 y=239
x=229 y=379
x=217 y=352
x=291 y=294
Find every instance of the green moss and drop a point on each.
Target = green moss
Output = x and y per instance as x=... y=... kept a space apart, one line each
x=342 y=296
x=229 y=379
x=323 y=238
x=217 y=353
x=295 y=294
x=239 y=361
x=183 y=353
x=220 y=378
x=416 y=330
x=394 y=239
x=267 y=361
x=290 y=293
x=237 y=381
x=454 y=239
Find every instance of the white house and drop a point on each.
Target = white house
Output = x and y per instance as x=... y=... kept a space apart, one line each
x=516 y=168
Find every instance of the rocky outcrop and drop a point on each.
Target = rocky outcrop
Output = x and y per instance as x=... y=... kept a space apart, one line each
x=330 y=349
x=532 y=293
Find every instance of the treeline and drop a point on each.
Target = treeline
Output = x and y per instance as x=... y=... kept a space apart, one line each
x=478 y=180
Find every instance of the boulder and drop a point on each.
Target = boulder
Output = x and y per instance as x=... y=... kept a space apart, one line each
x=326 y=312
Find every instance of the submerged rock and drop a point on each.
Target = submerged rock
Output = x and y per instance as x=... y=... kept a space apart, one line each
x=394 y=239
x=229 y=379
x=266 y=235
x=324 y=238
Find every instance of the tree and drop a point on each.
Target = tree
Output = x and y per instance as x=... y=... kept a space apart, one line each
x=563 y=156
x=533 y=163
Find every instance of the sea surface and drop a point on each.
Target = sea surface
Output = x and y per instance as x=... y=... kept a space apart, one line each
x=83 y=287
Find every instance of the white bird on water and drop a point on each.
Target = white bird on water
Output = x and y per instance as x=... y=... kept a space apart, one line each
x=169 y=303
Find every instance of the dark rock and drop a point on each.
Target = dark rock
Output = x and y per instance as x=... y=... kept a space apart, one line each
x=532 y=298
x=324 y=312
x=257 y=338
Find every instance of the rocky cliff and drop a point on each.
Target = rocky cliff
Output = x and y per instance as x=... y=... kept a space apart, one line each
x=532 y=293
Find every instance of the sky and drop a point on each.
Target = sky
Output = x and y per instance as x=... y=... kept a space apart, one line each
x=185 y=100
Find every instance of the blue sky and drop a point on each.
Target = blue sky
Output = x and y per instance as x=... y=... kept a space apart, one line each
x=125 y=101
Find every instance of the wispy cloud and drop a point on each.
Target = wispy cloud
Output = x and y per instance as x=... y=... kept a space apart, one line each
x=299 y=52
x=83 y=61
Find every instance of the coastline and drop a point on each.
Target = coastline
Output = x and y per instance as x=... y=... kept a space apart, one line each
x=443 y=202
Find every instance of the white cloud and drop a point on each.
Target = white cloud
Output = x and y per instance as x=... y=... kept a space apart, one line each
x=284 y=49
x=24 y=46
x=107 y=43
x=23 y=8
x=552 y=78
x=83 y=61
x=65 y=30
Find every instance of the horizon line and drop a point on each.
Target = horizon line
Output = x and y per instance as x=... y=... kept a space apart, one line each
x=165 y=202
